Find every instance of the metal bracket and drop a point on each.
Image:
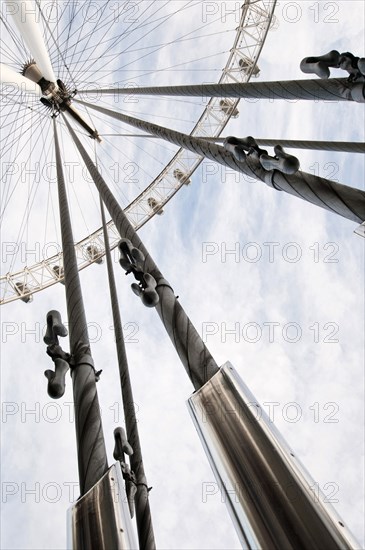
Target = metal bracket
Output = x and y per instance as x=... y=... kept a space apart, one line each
x=320 y=65
x=132 y=260
x=56 y=379
x=122 y=446
x=282 y=161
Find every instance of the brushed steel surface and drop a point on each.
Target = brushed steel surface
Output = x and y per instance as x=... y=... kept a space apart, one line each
x=100 y=519
x=266 y=488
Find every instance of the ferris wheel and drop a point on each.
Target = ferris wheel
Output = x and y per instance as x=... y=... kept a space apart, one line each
x=152 y=171
x=144 y=184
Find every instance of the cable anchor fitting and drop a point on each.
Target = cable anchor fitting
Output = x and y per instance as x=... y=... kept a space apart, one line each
x=132 y=260
x=241 y=148
x=320 y=65
x=56 y=379
x=123 y=447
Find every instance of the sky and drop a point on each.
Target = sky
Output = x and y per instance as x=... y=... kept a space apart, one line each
x=243 y=258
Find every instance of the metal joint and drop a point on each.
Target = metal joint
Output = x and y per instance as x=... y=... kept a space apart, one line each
x=132 y=260
x=243 y=147
x=123 y=447
x=320 y=65
x=56 y=379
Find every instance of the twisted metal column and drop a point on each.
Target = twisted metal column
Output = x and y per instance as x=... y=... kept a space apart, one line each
x=143 y=514
x=339 y=146
x=92 y=460
x=341 y=199
x=331 y=89
x=191 y=349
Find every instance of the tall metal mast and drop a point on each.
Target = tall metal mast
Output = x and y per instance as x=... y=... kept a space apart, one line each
x=91 y=450
x=333 y=89
x=346 y=201
x=143 y=512
x=192 y=351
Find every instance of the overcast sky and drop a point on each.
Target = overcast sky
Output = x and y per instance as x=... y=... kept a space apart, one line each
x=308 y=282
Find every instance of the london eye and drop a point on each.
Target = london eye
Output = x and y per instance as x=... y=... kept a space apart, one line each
x=271 y=282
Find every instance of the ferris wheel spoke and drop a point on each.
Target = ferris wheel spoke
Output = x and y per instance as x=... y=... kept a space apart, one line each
x=152 y=49
x=17 y=143
x=33 y=189
x=18 y=183
x=110 y=44
x=12 y=140
x=77 y=45
x=52 y=41
x=18 y=42
x=120 y=39
x=7 y=52
x=176 y=41
x=91 y=36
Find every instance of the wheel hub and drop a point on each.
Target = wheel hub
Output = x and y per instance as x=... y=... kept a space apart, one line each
x=57 y=97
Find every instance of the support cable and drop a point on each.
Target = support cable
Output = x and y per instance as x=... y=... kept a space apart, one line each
x=91 y=452
x=332 y=89
x=341 y=199
x=191 y=349
x=143 y=513
x=338 y=146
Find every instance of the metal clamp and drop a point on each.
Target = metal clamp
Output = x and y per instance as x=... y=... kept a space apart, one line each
x=122 y=446
x=282 y=161
x=132 y=260
x=238 y=146
x=320 y=65
x=56 y=379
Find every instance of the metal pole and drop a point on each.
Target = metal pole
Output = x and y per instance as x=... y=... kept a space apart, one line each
x=191 y=349
x=339 y=146
x=91 y=452
x=332 y=89
x=341 y=199
x=143 y=513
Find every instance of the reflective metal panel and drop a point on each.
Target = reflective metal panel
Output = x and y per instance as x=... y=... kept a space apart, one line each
x=100 y=520
x=360 y=230
x=268 y=492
